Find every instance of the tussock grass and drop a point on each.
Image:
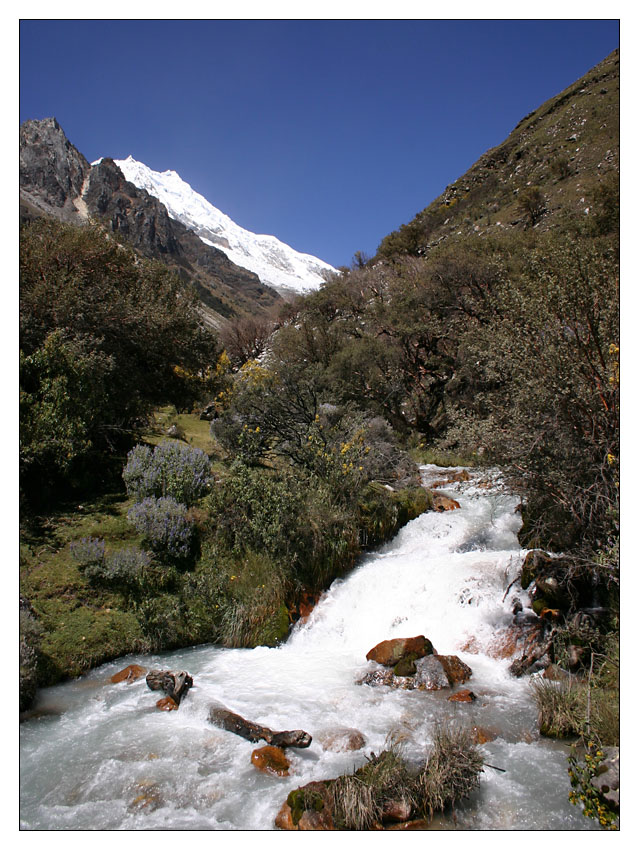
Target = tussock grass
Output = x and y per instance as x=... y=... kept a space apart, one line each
x=450 y=773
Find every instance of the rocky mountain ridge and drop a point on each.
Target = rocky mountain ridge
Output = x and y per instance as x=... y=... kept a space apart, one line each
x=56 y=180
x=276 y=264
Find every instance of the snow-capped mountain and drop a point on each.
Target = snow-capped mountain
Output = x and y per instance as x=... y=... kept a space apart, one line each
x=275 y=263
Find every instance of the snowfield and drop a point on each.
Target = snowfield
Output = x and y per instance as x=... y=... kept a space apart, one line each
x=275 y=263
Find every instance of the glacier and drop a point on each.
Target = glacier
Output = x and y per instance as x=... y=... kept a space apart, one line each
x=275 y=263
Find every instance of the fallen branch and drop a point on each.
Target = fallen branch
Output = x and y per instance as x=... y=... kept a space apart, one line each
x=221 y=716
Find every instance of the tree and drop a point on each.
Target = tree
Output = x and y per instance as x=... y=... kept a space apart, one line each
x=104 y=337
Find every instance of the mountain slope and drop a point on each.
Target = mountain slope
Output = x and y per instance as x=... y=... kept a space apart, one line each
x=57 y=181
x=277 y=264
x=551 y=167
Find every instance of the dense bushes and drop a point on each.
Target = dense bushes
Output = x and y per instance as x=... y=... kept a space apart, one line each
x=170 y=469
x=104 y=336
x=165 y=525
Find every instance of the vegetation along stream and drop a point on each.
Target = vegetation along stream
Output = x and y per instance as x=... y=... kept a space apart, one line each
x=103 y=757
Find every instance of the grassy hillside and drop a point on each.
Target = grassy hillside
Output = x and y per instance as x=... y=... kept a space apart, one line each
x=567 y=150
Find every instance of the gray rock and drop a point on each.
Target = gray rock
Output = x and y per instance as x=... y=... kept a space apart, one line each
x=607 y=779
x=430 y=674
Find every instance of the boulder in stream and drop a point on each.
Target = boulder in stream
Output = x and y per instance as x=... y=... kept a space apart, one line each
x=462 y=696
x=606 y=780
x=129 y=674
x=271 y=760
x=444 y=503
x=175 y=684
x=341 y=740
x=388 y=653
x=431 y=673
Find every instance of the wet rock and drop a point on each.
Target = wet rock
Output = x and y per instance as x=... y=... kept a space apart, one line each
x=149 y=800
x=444 y=503
x=482 y=735
x=175 y=684
x=129 y=674
x=389 y=679
x=341 y=740
x=302 y=611
x=271 y=760
x=167 y=704
x=307 y=808
x=462 y=696
x=388 y=653
x=311 y=821
x=452 y=478
x=430 y=674
x=221 y=716
x=284 y=818
x=455 y=669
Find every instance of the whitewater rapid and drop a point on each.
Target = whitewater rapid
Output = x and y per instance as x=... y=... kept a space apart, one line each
x=101 y=756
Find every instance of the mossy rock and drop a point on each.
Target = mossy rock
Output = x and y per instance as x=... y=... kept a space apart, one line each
x=406 y=665
x=307 y=798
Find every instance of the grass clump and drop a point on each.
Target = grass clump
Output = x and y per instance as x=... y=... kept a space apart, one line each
x=585 y=706
x=451 y=772
x=388 y=783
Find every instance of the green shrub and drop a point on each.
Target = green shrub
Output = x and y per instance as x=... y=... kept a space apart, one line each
x=104 y=337
x=582 y=771
x=170 y=469
x=30 y=644
x=164 y=523
x=88 y=553
x=238 y=600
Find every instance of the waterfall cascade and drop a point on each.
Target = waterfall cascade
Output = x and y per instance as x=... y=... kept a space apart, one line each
x=103 y=757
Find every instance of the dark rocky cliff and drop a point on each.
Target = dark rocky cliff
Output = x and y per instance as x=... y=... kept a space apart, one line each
x=56 y=180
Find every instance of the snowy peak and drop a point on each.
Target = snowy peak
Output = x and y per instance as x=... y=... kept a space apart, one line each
x=275 y=263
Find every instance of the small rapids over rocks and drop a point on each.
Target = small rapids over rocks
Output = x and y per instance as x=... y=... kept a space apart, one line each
x=101 y=756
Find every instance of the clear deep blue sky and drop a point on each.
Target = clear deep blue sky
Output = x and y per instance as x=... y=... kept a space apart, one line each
x=328 y=134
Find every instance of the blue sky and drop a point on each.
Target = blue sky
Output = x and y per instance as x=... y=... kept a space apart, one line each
x=328 y=134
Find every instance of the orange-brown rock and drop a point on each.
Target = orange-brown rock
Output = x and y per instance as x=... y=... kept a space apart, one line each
x=271 y=760
x=482 y=735
x=444 y=503
x=341 y=740
x=306 y=604
x=388 y=653
x=455 y=669
x=515 y=640
x=129 y=674
x=312 y=820
x=463 y=696
x=453 y=477
x=306 y=809
x=167 y=704
x=284 y=818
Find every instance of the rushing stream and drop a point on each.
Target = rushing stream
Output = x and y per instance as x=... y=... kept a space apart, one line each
x=101 y=756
